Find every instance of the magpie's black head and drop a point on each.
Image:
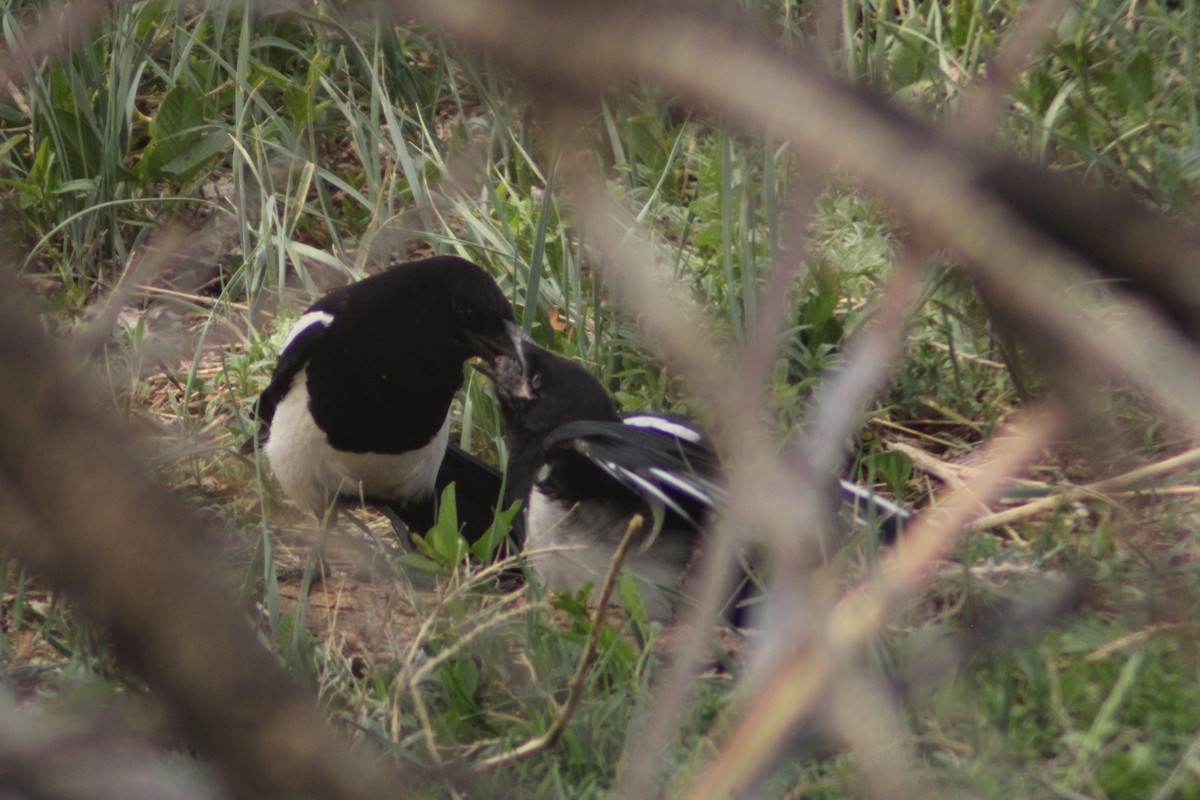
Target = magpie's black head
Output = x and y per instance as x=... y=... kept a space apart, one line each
x=538 y=390
x=481 y=319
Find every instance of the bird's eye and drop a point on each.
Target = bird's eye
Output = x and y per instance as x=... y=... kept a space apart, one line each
x=535 y=380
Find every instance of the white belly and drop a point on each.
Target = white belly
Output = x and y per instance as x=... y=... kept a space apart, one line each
x=314 y=474
x=580 y=555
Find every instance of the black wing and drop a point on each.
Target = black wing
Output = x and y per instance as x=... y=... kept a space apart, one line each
x=666 y=461
x=293 y=359
x=476 y=491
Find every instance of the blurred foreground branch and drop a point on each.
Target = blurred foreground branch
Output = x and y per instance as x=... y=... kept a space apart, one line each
x=1027 y=234
x=78 y=507
x=800 y=682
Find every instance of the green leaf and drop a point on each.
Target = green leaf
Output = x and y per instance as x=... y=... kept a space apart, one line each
x=708 y=237
x=81 y=148
x=892 y=468
x=175 y=132
x=463 y=676
x=210 y=144
x=8 y=144
x=1138 y=77
x=419 y=561
x=79 y=185
x=181 y=111
x=484 y=550
x=631 y=597
x=443 y=543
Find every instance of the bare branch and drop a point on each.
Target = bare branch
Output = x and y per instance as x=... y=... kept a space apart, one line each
x=80 y=509
x=797 y=683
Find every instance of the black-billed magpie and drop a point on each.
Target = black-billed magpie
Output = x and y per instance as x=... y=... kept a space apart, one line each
x=585 y=471
x=359 y=403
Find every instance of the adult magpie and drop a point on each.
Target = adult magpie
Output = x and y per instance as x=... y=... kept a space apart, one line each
x=359 y=403
x=585 y=471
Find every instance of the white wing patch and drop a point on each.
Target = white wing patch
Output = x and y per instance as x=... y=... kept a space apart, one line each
x=304 y=323
x=648 y=488
x=669 y=427
x=884 y=506
x=685 y=486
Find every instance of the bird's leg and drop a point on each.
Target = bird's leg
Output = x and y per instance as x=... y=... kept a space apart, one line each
x=316 y=568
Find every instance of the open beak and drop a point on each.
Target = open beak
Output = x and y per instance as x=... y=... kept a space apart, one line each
x=507 y=368
x=505 y=342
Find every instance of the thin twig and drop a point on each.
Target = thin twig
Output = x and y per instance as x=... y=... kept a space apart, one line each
x=435 y=663
x=192 y=297
x=1122 y=482
x=579 y=681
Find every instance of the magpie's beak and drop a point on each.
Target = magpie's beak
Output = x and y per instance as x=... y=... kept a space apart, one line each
x=517 y=339
x=506 y=341
x=507 y=369
x=505 y=373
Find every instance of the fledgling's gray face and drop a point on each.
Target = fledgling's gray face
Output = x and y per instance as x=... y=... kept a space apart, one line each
x=509 y=371
x=539 y=390
x=512 y=379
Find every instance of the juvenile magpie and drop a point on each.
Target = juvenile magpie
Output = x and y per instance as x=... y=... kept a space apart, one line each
x=585 y=471
x=358 y=405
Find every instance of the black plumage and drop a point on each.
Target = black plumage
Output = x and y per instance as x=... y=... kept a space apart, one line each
x=358 y=405
x=584 y=471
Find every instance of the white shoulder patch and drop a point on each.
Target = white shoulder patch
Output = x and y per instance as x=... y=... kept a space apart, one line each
x=304 y=323
x=663 y=425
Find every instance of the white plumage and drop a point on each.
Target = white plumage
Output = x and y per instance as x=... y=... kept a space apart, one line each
x=314 y=474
